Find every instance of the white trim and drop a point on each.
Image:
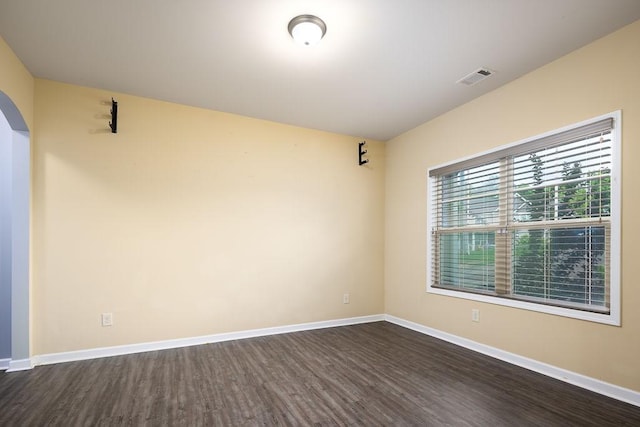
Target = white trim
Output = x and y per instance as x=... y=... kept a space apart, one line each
x=20 y=365
x=94 y=353
x=4 y=364
x=613 y=318
x=592 y=384
x=616 y=220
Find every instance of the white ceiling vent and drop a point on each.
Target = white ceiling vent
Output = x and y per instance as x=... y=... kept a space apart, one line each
x=475 y=77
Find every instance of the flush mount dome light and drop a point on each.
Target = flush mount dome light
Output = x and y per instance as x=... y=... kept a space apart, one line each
x=307 y=29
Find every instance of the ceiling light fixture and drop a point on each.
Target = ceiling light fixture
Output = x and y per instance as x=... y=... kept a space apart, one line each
x=307 y=29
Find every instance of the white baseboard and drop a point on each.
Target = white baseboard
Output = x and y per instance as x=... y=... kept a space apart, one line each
x=94 y=353
x=4 y=364
x=20 y=365
x=598 y=386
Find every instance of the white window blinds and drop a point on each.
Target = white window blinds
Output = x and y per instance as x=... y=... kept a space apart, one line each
x=528 y=222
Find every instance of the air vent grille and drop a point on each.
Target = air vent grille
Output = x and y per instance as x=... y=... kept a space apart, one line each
x=475 y=77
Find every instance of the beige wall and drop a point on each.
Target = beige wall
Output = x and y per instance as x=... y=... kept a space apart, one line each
x=16 y=82
x=600 y=78
x=191 y=222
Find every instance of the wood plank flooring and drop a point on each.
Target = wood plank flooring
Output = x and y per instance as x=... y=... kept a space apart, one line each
x=371 y=374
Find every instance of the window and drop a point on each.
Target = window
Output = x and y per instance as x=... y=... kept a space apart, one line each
x=533 y=225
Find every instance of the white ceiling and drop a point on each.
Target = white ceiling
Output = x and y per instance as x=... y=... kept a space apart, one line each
x=383 y=67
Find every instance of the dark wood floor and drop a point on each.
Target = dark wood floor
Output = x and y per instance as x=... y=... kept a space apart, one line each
x=371 y=374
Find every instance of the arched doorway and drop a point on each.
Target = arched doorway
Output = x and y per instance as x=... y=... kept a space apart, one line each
x=15 y=174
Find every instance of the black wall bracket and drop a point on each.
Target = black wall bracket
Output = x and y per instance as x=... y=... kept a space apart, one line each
x=113 y=124
x=361 y=153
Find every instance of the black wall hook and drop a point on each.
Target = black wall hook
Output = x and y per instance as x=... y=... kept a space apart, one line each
x=361 y=153
x=113 y=124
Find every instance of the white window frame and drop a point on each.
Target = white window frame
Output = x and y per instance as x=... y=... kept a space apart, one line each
x=613 y=317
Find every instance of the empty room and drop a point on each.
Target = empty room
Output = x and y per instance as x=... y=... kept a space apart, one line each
x=319 y=212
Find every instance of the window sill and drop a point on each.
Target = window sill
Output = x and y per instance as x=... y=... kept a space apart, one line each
x=607 y=319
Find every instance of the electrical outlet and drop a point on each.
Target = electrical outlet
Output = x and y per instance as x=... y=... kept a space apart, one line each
x=475 y=315
x=345 y=299
x=107 y=319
